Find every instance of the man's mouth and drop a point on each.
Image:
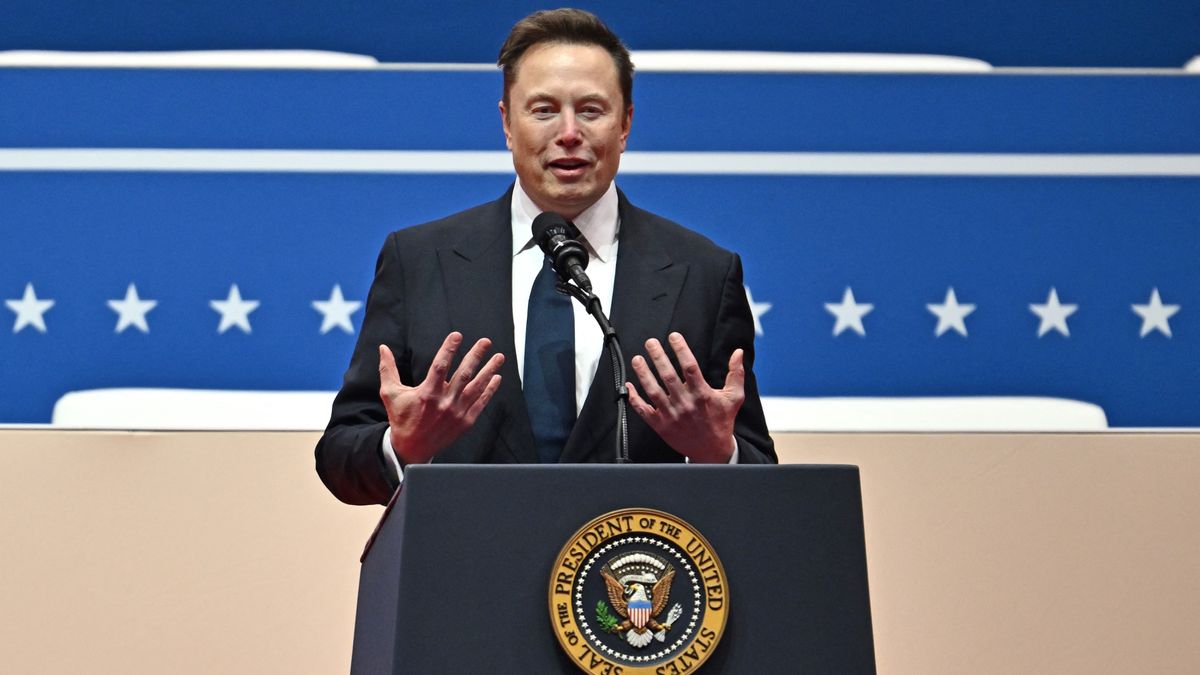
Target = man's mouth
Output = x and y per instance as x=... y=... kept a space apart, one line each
x=568 y=166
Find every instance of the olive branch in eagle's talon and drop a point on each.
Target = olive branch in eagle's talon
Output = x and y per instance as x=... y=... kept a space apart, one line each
x=605 y=618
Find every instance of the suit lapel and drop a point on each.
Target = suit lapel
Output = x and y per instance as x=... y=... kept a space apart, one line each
x=477 y=275
x=645 y=289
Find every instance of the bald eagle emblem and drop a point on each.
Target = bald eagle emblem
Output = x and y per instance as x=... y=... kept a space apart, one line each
x=639 y=587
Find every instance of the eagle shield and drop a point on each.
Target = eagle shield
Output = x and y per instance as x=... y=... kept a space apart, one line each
x=639 y=612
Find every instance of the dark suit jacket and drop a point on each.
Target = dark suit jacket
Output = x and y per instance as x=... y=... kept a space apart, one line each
x=456 y=274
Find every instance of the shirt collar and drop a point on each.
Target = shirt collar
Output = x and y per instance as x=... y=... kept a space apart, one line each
x=598 y=224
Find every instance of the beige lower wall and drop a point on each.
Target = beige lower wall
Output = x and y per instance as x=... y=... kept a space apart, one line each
x=176 y=553
x=1027 y=553
x=220 y=552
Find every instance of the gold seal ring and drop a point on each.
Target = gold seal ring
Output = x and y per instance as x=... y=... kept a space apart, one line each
x=638 y=591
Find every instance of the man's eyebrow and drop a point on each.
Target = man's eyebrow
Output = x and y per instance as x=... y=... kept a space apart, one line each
x=547 y=96
x=540 y=96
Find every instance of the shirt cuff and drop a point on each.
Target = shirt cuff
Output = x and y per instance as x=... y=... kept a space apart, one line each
x=389 y=455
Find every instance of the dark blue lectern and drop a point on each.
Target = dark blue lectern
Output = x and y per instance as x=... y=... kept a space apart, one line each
x=456 y=578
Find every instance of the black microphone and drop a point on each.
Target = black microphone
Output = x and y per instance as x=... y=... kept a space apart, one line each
x=556 y=235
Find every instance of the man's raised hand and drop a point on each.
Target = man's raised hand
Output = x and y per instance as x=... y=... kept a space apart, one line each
x=692 y=417
x=426 y=418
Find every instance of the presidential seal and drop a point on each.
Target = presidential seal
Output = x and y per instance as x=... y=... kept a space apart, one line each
x=638 y=591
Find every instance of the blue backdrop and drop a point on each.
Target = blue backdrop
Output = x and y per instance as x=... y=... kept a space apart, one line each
x=898 y=238
x=1146 y=33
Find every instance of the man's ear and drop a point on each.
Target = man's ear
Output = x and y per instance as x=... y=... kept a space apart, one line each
x=504 y=124
x=626 y=124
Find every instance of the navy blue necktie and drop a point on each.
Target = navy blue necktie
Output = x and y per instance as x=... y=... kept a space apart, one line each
x=549 y=378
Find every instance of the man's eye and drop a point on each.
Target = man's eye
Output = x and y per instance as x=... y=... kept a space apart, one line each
x=542 y=111
x=591 y=113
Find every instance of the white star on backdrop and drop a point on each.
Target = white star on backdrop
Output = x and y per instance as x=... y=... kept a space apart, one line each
x=336 y=310
x=29 y=310
x=1155 y=314
x=757 y=309
x=132 y=310
x=1053 y=315
x=234 y=311
x=950 y=314
x=849 y=314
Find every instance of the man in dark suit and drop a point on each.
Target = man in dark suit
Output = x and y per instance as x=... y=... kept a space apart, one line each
x=408 y=397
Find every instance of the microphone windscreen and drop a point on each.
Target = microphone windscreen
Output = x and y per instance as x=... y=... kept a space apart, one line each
x=549 y=224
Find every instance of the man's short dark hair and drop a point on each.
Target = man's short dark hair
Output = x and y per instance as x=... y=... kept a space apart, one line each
x=564 y=26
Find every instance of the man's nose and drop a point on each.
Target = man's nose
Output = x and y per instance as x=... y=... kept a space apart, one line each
x=568 y=133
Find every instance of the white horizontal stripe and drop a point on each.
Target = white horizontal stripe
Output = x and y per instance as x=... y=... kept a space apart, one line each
x=255 y=161
x=682 y=163
x=911 y=164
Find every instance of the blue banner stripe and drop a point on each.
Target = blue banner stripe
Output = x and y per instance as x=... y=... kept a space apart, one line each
x=415 y=110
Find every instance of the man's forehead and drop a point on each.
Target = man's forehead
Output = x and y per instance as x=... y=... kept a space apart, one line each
x=566 y=59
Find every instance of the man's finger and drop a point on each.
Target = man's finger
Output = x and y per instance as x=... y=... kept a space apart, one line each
x=441 y=361
x=735 y=379
x=664 y=367
x=388 y=374
x=654 y=392
x=481 y=402
x=692 y=375
x=470 y=365
x=474 y=388
x=640 y=406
